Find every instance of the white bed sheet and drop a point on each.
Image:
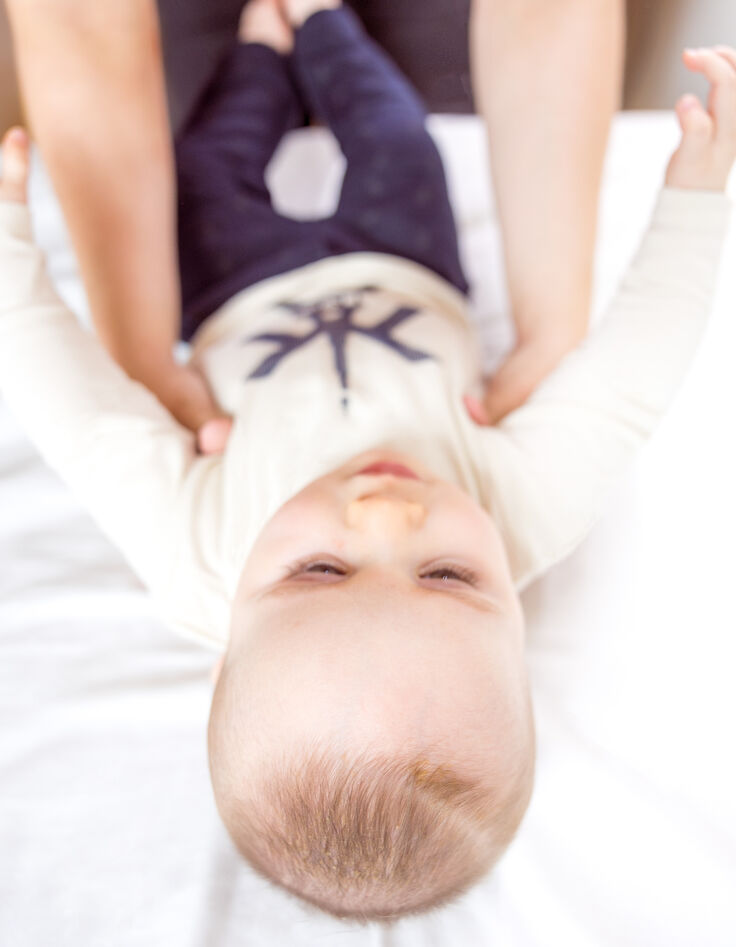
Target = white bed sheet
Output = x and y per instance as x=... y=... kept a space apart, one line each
x=108 y=830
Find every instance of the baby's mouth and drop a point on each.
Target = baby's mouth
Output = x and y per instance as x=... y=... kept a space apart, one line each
x=386 y=467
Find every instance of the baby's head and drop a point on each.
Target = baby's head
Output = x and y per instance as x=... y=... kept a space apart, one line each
x=371 y=737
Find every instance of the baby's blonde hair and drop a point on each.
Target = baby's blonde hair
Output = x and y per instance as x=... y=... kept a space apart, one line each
x=365 y=836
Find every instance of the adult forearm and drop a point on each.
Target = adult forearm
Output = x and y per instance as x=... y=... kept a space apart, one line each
x=547 y=80
x=92 y=79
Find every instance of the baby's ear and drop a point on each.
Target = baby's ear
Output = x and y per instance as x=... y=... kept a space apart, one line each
x=14 y=177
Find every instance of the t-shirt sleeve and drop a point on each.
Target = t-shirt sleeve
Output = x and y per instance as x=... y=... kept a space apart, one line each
x=119 y=450
x=562 y=451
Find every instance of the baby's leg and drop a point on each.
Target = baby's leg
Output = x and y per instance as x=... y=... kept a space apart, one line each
x=394 y=197
x=229 y=234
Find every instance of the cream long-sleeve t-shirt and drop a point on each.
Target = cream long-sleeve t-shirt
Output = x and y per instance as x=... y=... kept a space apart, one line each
x=332 y=359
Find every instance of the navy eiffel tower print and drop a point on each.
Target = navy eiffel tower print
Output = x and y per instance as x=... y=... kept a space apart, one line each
x=333 y=316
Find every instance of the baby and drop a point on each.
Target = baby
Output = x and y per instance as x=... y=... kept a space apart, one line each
x=358 y=550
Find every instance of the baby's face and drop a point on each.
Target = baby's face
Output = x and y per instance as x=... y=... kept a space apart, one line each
x=378 y=607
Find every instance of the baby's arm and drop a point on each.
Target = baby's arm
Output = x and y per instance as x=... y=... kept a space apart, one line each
x=571 y=441
x=107 y=436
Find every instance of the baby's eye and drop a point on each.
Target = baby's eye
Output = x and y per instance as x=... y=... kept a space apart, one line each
x=444 y=573
x=325 y=568
x=454 y=572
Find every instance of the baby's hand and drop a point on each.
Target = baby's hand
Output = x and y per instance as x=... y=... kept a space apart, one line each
x=14 y=177
x=708 y=147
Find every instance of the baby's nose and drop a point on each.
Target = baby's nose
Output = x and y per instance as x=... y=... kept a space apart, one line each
x=384 y=514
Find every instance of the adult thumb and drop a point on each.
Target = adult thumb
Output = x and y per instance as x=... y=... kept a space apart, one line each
x=212 y=436
x=15 y=154
x=187 y=395
x=512 y=384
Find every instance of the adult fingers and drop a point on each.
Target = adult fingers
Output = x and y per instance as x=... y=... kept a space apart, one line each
x=15 y=150
x=513 y=382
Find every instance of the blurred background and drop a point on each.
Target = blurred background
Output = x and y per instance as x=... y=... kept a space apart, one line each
x=657 y=30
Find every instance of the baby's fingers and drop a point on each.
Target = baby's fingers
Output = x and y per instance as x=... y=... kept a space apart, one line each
x=14 y=178
x=696 y=123
x=728 y=54
x=720 y=71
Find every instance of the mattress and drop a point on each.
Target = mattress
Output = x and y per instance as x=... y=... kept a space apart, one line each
x=108 y=830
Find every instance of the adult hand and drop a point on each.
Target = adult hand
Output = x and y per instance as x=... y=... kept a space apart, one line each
x=528 y=363
x=184 y=391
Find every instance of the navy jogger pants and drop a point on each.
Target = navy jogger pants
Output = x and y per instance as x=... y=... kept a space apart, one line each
x=394 y=195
